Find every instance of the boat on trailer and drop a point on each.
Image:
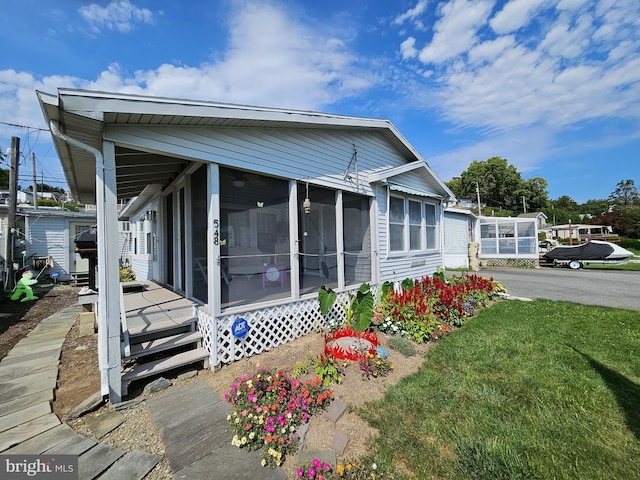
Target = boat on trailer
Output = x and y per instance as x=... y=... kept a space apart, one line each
x=595 y=251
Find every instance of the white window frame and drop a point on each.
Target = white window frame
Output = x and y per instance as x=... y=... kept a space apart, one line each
x=406 y=227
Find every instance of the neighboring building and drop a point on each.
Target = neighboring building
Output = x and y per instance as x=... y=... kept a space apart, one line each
x=459 y=226
x=247 y=210
x=51 y=232
x=584 y=232
x=540 y=217
x=506 y=241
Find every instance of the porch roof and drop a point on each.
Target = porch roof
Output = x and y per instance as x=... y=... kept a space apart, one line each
x=83 y=115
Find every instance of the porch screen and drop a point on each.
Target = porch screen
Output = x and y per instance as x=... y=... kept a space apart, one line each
x=254 y=238
x=357 y=239
x=317 y=233
x=199 y=233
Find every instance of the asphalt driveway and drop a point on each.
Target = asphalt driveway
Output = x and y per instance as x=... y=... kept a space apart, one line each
x=609 y=288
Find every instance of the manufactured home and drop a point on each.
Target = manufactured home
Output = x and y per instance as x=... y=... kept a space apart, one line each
x=245 y=211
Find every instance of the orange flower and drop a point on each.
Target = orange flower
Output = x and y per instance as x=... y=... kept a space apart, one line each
x=269 y=439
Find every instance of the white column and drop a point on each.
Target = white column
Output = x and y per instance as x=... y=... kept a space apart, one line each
x=108 y=273
x=214 y=233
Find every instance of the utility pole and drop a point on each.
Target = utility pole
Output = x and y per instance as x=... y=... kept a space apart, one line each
x=524 y=205
x=35 y=185
x=13 y=208
x=478 y=194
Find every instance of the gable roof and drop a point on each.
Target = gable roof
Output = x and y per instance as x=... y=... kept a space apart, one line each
x=83 y=115
x=533 y=215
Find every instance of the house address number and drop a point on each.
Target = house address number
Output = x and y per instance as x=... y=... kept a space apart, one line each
x=216 y=231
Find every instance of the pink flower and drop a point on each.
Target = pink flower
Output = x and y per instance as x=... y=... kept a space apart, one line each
x=316 y=463
x=300 y=473
x=312 y=472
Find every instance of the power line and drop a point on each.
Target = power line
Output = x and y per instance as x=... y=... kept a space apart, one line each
x=24 y=126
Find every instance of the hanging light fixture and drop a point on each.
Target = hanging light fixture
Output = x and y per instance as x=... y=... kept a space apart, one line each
x=306 y=205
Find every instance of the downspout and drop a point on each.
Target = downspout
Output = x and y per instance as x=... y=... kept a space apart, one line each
x=103 y=334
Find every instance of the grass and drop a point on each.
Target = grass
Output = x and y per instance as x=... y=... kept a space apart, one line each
x=631 y=267
x=525 y=390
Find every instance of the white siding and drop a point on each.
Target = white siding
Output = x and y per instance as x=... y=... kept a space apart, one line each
x=323 y=156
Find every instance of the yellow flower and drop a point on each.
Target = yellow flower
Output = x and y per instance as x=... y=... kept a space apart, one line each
x=340 y=469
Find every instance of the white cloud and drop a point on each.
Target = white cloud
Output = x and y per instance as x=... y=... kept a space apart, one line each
x=413 y=14
x=408 y=49
x=578 y=63
x=456 y=30
x=120 y=16
x=515 y=15
x=272 y=60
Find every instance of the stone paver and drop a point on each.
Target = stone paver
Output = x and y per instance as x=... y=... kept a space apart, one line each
x=103 y=424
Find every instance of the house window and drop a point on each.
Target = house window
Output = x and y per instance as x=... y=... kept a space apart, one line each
x=413 y=223
x=396 y=223
x=430 y=227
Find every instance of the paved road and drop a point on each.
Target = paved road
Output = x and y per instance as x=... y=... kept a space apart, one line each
x=610 y=288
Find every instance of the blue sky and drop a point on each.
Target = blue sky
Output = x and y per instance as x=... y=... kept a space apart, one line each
x=553 y=86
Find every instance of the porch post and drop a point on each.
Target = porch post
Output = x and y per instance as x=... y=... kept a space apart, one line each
x=108 y=273
x=214 y=271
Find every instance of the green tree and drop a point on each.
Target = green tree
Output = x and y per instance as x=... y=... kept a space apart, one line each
x=43 y=187
x=595 y=207
x=499 y=182
x=625 y=193
x=536 y=194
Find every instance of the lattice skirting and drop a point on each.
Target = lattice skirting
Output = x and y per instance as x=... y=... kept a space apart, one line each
x=268 y=328
x=510 y=262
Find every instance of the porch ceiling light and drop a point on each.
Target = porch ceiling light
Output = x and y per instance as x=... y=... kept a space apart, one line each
x=306 y=205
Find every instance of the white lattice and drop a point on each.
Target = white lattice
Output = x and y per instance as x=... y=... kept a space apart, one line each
x=268 y=328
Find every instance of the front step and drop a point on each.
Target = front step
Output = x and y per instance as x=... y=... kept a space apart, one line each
x=169 y=363
x=160 y=344
x=145 y=333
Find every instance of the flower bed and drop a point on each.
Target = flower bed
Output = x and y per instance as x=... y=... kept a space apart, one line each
x=431 y=307
x=268 y=408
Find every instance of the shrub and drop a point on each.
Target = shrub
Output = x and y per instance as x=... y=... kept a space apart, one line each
x=630 y=243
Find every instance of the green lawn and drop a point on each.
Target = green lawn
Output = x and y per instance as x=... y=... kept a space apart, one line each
x=525 y=390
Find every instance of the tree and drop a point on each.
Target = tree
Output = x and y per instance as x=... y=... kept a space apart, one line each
x=43 y=187
x=536 y=195
x=565 y=202
x=625 y=193
x=500 y=185
x=625 y=220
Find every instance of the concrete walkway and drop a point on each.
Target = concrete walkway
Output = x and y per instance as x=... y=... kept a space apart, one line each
x=28 y=378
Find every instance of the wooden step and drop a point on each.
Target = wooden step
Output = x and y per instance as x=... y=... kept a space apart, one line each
x=160 y=326
x=164 y=364
x=162 y=344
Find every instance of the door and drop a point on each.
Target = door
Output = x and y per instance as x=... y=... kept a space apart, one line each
x=76 y=263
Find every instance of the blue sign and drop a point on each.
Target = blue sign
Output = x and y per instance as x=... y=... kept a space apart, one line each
x=54 y=275
x=240 y=328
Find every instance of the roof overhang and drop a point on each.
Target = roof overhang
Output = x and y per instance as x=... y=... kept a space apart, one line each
x=83 y=115
x=389 y=176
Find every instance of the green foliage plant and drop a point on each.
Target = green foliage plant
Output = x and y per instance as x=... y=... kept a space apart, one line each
x=358 y=310
x=127 y=274
x=328 y=368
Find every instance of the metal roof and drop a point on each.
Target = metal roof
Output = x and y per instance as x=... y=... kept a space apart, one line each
x=83 y=115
